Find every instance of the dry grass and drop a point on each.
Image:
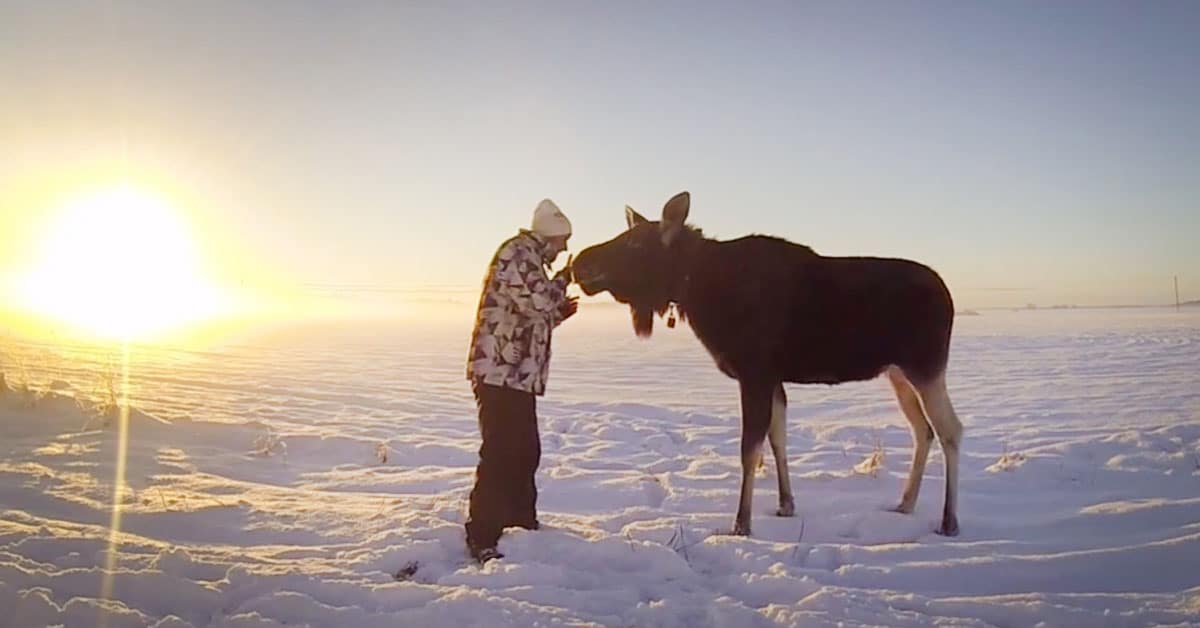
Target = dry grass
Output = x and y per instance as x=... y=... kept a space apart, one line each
x=872 y=464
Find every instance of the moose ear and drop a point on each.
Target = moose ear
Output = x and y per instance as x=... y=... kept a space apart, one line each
x=674 y=215
x=632 y=218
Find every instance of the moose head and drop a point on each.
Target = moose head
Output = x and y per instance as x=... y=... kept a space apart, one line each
x=641 y=266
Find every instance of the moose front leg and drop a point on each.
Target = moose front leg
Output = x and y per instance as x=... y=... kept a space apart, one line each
x=756 y=420
x=778 y=438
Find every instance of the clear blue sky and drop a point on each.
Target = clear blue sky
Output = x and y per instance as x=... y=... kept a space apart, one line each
x=1030 y=151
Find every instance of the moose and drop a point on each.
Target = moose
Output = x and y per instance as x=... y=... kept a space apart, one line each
x=770 y=312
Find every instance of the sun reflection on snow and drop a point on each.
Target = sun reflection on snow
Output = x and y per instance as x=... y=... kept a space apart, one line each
x=114 y=526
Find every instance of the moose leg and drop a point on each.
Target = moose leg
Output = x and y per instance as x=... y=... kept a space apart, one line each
x=756 y=419
x=778 y=437
x=949 y=431
x=922 y=435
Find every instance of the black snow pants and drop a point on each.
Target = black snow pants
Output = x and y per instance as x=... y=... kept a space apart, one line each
x=505 y=493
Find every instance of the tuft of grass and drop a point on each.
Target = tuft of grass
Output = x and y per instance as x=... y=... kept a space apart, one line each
x=269 y=444
x=1009 y=461
x=22 y=382
x=680 y=543
x=407 y=572
x=799 y=541
x=874 y=460
x=104 y=391
x=102 y=402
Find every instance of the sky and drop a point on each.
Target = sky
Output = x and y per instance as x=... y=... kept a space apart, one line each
x=1031 y=152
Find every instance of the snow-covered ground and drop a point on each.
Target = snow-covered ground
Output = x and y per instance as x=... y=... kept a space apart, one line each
x=319 y=477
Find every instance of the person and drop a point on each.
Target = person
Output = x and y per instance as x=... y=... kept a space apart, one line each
x=507 y=366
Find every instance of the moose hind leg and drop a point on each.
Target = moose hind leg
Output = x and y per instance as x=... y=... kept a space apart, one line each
x=922 y=433
x=949 y=432
x=756 y=419
x=778 y=438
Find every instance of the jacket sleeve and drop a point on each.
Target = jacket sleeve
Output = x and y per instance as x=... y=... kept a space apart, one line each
x=522 y=279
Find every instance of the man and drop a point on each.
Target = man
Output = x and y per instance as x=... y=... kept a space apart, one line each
x=508 y=365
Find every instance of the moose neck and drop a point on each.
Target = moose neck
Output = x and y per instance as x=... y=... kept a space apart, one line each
x=685 y=255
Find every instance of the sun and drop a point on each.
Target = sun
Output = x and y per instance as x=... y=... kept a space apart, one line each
x=119 y=263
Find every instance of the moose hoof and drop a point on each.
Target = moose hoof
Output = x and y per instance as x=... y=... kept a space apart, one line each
x=949 y=527
x=902 y=509
x=786 y=509
x=740 y=529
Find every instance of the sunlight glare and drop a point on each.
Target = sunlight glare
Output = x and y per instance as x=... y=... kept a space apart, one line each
x=119 y=263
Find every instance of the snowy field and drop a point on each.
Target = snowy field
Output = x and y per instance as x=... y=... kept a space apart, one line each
x=319 y=477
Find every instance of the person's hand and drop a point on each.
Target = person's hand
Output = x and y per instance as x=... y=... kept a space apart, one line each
x=566 y=272
x=568 y=308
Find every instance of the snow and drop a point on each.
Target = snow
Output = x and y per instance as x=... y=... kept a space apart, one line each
x=318 y=476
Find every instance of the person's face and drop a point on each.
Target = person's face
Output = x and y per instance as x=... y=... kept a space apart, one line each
x=554 y=246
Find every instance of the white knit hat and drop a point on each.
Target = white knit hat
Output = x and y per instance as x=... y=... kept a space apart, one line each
x=549 y=221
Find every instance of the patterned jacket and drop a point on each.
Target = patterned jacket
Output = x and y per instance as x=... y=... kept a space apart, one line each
x=518 y=308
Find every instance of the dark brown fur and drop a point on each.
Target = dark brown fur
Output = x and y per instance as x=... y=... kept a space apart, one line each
x=770 y=311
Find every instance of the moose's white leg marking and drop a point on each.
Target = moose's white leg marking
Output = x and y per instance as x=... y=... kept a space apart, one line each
x=778 y=437
x=922 y=434
x=949 y=430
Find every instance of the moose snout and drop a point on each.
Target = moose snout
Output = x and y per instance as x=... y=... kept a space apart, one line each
x=586 y=275
x=582 y=267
